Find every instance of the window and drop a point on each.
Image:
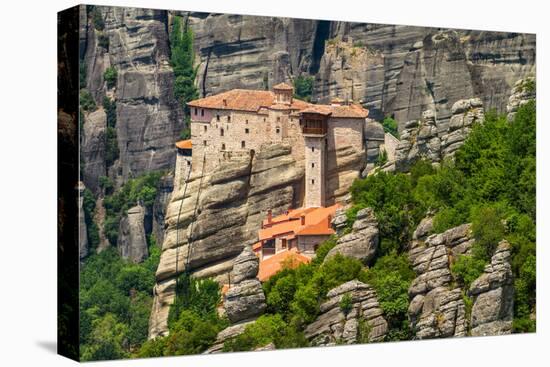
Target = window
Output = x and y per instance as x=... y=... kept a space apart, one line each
x=278 y=130
x=188 y=163
x=246 y=122
x=217 y=117
x=264 y=119
x=196 y=111
x=313 y=165
x=246 y=131
x=205 y=128
x=221 y=132
x=313 y=182
x=312 y=149
x=204 y=142
x=243 y=144
x=223 y=146
x=228 y=118
x=278 y=118
x=202 y=112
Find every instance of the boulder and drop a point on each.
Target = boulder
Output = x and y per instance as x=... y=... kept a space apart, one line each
x=246 y=266
x=362 y=242
x=524 y=90
x=226 y=334
x=363 y=322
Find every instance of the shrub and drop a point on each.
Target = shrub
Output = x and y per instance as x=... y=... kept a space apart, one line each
x=390 y=126
x=346 y=303
x=87 y=102
x=303 y=87
x=110 y=76
x=97 y=19
x=182 y=58
x=466 y=269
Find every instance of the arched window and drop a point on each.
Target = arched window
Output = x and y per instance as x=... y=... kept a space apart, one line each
x=221 y=132
x=205 y=128
x=243 y=144
x=277 y=130
x=202 y=112
x=217 y=117
x=246 y=131
x=223 y=146
x=312 y=149
x=313 y=182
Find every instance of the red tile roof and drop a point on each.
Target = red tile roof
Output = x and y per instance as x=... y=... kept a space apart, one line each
x=184 y=144
x=290 y=225
x=287 y=258
x=283 y=86
x=254 y=100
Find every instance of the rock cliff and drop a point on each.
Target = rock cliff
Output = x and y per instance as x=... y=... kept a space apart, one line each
x=523 y=91
x=132 y=244
x=220 y=215
x=436 y=308
x=92 y=148
x=493 y=295
x=360 y=321
x=424 y=139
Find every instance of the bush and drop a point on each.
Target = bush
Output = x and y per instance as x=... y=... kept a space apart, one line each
x=267 y=329
x=390 y=126
x=97 y=19
x=466 y=269
x=182 y=58
x=110 y=76
x=303 y=87
x=346 y=303
x=87 y=102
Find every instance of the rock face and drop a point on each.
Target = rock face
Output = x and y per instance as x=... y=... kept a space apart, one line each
x=395 y=70
x=82 y=230
x=220 y=215
x=227 y=334
x=436 y=309
x=493 y=295
x=148 y=118
x=523 y=91
x=92 y=148
x=374 y=139
x=245 y=298
x=363 y=322
x=132 y=243
x=424 y=139
x=362 y=242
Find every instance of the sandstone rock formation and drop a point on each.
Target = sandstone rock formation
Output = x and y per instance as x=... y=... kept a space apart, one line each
x=523 y=91
x=132 y=244
x=82 y=230
x=245 y=298
x=135 y=42
x=374 y=141
x=436 y=309
x=424 y=139
x=493 y=295
x=362 y=242
x=220 y=215
x=227 y=334
x=339 y=221
x=92 y=148
x=363 y=322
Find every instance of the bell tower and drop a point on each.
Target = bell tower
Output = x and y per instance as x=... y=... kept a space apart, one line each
x=314 y=130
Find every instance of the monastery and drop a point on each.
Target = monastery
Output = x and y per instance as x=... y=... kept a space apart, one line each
x=240 y=121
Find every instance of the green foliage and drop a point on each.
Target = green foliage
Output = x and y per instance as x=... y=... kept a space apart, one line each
x=488 y=228
x=115 y=304
x=390 y=126
x=382 y=158
x=391 y=277
x=111 y=146
x=346 y=303
x=466 y=269
x=103 y=40
x=185 y=133
x=88 y=205
x=106 y=184
x=142 y=190
x=267 y=329
x=191 y=334
x=97 y=19
x=303 y=87
x=110 y=76
x=323 y=250
x=529 y=85
x=82 y=75
x=201 y=296
x=182 y=58
x=87 y=102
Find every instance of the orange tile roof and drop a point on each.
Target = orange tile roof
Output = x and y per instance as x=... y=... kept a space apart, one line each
x=256 y=246
x=283 y=86
x=344 y=111
x=184 y=144
x=290 y=224
x=272 y=265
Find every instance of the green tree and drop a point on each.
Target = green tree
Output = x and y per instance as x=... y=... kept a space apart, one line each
x=303 y=87
x=390 y=126
x=182 y=59
x=110 y=76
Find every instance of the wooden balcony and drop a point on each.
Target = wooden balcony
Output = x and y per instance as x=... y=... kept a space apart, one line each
x=314 y=130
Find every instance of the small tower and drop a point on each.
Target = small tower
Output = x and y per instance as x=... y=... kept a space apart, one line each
x=283 y=93
x=314 y=129
x=183 y=162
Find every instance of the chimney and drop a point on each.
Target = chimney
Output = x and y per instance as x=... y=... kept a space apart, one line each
x=303 y=219
x=269 y=216
x=225 y=102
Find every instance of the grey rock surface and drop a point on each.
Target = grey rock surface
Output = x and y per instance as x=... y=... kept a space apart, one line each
x=244 y=300
x=523 y=91
x=362 y=242
x=92 y=148
x=82 y=230
x=227 y=334
x=132 y=243
x=493 y=294
x=436 y=308
x=363 y=322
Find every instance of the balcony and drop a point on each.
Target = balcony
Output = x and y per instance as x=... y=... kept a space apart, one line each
x=314 y=130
